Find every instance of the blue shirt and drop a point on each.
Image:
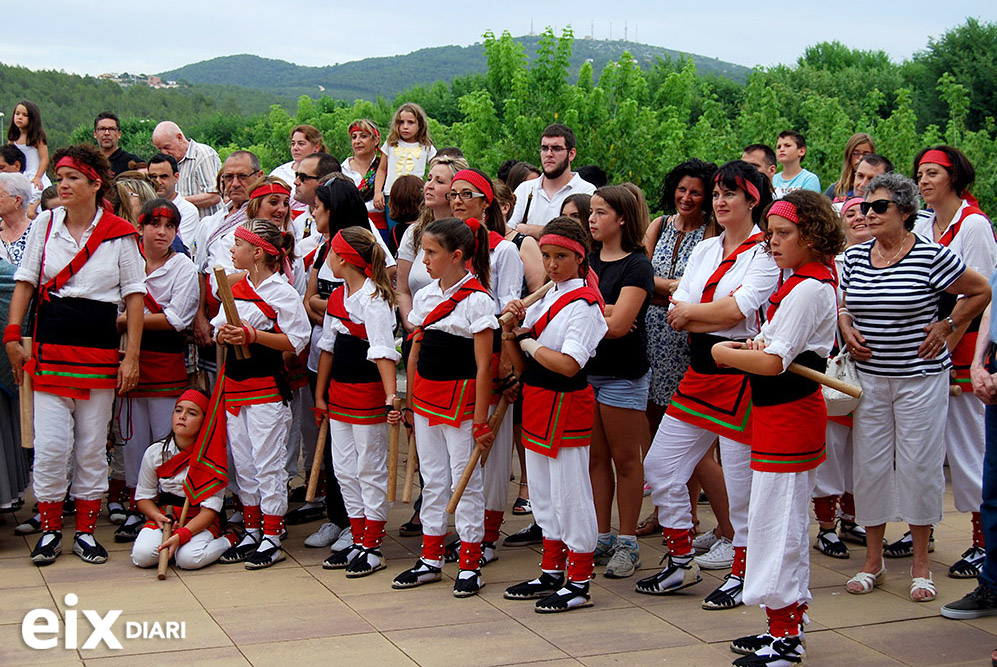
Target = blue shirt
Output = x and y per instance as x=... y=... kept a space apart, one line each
x=805 y=180
x=993 y=295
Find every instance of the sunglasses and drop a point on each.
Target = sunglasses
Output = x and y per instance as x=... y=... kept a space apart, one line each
x=880 y=206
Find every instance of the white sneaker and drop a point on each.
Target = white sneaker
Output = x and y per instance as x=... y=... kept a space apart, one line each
x=324 y=536
x=344 y=540
x=705 y=541
x=719 y=557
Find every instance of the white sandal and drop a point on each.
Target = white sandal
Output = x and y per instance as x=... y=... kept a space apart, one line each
x=925 y=584
x=867 y=581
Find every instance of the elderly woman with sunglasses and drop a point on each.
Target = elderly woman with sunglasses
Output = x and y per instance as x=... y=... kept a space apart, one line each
x=889 y=321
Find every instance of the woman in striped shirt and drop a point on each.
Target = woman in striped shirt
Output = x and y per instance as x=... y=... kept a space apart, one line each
x=892 y=286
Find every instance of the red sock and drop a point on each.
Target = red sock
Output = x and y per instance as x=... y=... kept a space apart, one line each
x=252 y=517
x=51 y=515
x=848 y=506
x=493 y=521
x=433 y=547
x=977 y=530
x=357 y=525
x=86 y=515
x=580 y=566
x=470 y=555
x=273 y=524
x=555 y=556
x=784 y=622
x=117 y=491
x=679 y=541
x=132 y=503
x=824 y=508
x=373 y=534
x=232 y=538
x=737 y=569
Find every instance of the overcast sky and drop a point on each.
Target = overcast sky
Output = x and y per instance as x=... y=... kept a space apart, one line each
x=116 y=36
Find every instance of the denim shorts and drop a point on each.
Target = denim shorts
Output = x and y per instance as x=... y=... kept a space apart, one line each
x=629 y=394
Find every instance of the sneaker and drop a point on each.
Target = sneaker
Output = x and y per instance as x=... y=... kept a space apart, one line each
x=782 y=652
x=754 y=643
x=727 y=596
x=367 y=561
x=342 y=558
x=574 y=595
x=48 y=548
x=116 y=513
x=829 y=544
x=904 y=547
x=705 y=541
x=982 y=601
x=968 y=567
x=422 y=573
x=546 y=584
x=468 y=583
x=30 y=527
x=680 y=573
x=604 y=551
x=849 y=531
x=624 y=561
x=527 y=537
x=268 y=553
x=129 y=530
x=324 y=536
x=344 y=541
x=89 y=550
x=297 y=494
x=719 y=557
x=305 y=514
x=237 y=553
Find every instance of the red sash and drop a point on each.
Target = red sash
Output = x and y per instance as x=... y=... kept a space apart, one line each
x=726 y=265
x=719 y=404
x=789 y=437
x=176 y=463
x=962 y=359
x=447 y=402
x=846 y=420
x=170 y=468
x=243 y=291
x=584 y=293
x=494 y=238
x=557 y=419
x=252 y=391
x=810 y=270
x=357 y=403
x=160 y=374
x=447 y=305
x=951 y=232
x=336 y=307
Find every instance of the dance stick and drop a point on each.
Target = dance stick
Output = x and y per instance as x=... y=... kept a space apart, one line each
x=393 y=433
x=409 y=468
x=314 y=473
x=164 y=554
x=826 y=380
x=494 y=422
x=531 y=299
x=27 y=404
x=231 y=312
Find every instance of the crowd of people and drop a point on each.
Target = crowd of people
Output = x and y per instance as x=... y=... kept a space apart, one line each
x=148 y=301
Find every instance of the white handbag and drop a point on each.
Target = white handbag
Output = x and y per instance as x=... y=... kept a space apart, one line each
x=841 y=367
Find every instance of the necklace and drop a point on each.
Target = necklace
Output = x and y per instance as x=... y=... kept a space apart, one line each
x=894 y=258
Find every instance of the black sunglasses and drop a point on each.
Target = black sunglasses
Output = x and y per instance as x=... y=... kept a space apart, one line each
x=879 y=206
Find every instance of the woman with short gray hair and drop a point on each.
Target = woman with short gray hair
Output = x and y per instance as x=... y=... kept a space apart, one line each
x=888 y=318
x=15 y=194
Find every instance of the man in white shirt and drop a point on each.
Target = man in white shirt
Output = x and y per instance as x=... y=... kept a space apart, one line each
x=198 y=165
x=163 y=172
x=539 y=201
x=312 y=169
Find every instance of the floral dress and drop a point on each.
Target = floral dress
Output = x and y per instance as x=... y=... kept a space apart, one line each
x=667 y=349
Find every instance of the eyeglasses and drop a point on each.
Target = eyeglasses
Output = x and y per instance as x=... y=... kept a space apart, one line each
x=228 y=178
x=880 y=206
x=160 y=177
x=106 y=129
x=305 y=177
x=552 y=149
x=466 y=195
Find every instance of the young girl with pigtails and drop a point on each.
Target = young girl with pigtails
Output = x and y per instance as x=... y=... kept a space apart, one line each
x=357 y=369
x=257 y=389
x=451 y=357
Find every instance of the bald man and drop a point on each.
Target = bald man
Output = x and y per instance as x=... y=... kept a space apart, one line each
x=198 y=163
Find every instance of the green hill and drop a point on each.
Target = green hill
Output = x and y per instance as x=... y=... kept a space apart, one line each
x=389 y=76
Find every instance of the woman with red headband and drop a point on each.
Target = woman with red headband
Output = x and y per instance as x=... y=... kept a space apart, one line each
x=944 y=175
x=356 y=388
x=362 y=165
x=472 y=197
x=564 y=330
x=790 y=419
x=257 y=389
x=727 y=279
x=170 y=303
x=199 y=542
x=76 y=368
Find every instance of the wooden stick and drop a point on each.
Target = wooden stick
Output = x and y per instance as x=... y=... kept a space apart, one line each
x=409 y=468
x=393 y=453
x=529 y=301
x=164 y=554
x=231 y=312
x=183 y=512
x=27 y=404
x=315 y=473
x=826 y=380
x=955 y=390
x=494 y=422
x=464 y=479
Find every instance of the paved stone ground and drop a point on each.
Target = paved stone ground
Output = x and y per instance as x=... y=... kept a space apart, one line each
x=297 y=614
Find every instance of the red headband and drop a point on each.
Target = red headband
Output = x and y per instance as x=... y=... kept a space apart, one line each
x=785 y=209
x=195 y=397
x=357 y=126
x=563 y=242
x=257 y=240
x=73 y=163
x=936 y=156
x=854 y=201
x=269 y=189
x=349 y=254
x=749 y=188
x=159 y=211
x=478 y=181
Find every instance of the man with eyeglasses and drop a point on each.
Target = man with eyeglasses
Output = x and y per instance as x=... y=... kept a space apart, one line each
x=107 y=132
x=539 y=201
x=198 y=164
x=163 y=173
x=312 y=169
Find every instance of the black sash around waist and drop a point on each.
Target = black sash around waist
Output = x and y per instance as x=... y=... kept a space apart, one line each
x=536 y=375
x=349 y=360
x=444 y=356
x=701 y=355
x=170 y=500
x=162 y=340
x=263 y=362
x=79 y=322
x=325 y=287
x=786 y=387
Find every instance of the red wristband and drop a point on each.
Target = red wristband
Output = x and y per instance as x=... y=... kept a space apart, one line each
x=480 y=429
x=184 y=534
x=11 y=333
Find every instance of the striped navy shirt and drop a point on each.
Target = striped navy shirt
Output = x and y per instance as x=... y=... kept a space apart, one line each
x=892 y=305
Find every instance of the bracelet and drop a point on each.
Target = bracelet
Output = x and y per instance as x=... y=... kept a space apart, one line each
x=530 y=347
x=184 y=534
x=479 y=429
x=951 y=322
x=524 y=335
x=12 y=333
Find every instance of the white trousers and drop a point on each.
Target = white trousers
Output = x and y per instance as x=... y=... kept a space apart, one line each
x=561 y=495
x=146 y=420
x=899 y=450
x=964 y=444
x=834 y=475
x=71 y=431
x=498 y=467
x=777 y=568
x=443 y=453
x=360 y=459
x=203 y=549
x=677 y=449
x=257 y=438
